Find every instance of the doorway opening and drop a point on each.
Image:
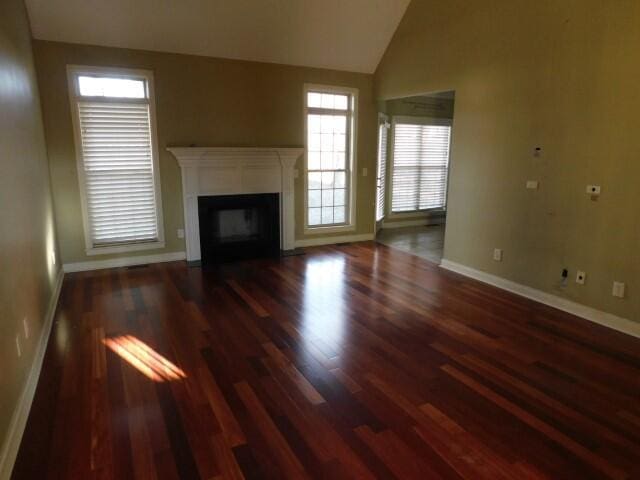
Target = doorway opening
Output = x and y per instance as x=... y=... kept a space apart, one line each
x=414 y=143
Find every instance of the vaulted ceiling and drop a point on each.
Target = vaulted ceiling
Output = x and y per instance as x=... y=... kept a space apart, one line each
x=339 y=34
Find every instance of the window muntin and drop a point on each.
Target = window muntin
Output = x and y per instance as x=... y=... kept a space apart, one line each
x=420 y=166
x=117 y=164
x=329 y=126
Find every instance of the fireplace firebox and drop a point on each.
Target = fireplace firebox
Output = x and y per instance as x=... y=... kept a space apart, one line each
x=236 y=227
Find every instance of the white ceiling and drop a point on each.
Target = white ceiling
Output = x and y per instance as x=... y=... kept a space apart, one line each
x=339 y=34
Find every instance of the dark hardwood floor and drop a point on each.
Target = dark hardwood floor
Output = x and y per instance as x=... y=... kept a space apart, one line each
x=353 y=361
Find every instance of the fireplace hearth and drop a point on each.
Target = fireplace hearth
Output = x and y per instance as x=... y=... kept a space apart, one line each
x=237 y=227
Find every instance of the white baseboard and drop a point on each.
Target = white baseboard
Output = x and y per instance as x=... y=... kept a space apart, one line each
x=123 y=262
x=620 y=324
x=413 y=223
x=9 y=450
x=312 y=242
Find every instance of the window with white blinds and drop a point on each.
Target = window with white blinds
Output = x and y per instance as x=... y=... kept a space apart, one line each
x=117 y=160
x=381 y=177
x=329 y=124
x=420 y=166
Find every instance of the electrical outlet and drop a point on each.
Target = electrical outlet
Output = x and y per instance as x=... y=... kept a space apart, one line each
x=618 y=289
x=18 y=349
x=180 y=233
x=580 y=277
x=25 y=325
x=593 y=190
x=365 y=171
x=532 y=184
x=497 y=254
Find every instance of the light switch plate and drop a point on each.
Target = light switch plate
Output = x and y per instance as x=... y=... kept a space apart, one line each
x=618 y=289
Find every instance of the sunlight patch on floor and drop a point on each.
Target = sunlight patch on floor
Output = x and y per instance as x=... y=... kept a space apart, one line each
x=144 y=358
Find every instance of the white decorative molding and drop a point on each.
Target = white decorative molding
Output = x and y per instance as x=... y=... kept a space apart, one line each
x=233 y=171
x=123 y=262
x=312 y=242
x=9 y=450
x=620 y=324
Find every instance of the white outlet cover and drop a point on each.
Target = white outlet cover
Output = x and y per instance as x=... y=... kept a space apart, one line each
x=580 y=277
x=532 y=184
x=181 y=233
x=497 y=254
x=593 y=189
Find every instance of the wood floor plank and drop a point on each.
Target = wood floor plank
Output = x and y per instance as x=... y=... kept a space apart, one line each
x=557 y=436
x=351 y=361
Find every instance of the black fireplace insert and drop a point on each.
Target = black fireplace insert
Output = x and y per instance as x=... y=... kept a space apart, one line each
x=237 y=227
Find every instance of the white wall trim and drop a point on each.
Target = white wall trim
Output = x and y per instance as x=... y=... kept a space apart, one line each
x=312 y=242
x=123 y=262
x=9 y=450
x=414 y=223
x=620 y=324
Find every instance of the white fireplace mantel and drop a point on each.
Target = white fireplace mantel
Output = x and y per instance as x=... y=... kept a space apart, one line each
x=233 y=171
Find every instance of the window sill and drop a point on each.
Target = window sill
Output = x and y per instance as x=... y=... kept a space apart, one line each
x=435 y=212
x=327 y=230
x=134 y=247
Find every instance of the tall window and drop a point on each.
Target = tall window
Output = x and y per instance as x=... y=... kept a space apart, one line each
x=117 y=158
x=330 y=116
x=420 y=165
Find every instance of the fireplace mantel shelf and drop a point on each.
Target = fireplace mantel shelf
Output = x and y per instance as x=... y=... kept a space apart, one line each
x=198 y=156
x=234 y=171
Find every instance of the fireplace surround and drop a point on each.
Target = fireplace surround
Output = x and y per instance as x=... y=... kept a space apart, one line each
x=215 y=171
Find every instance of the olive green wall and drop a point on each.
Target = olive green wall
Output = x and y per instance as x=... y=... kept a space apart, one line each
x=27 y=239
x=201 y=101
x=560 y=74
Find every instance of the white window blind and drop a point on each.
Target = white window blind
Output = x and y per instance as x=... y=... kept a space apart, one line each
x=420 y=166
x=383 y=130
x=329 y=117
x=117 y=162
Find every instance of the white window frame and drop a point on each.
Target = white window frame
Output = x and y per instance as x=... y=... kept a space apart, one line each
x=350 y=223
x=391 y=162
x=73 y=72
x=383 y=122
